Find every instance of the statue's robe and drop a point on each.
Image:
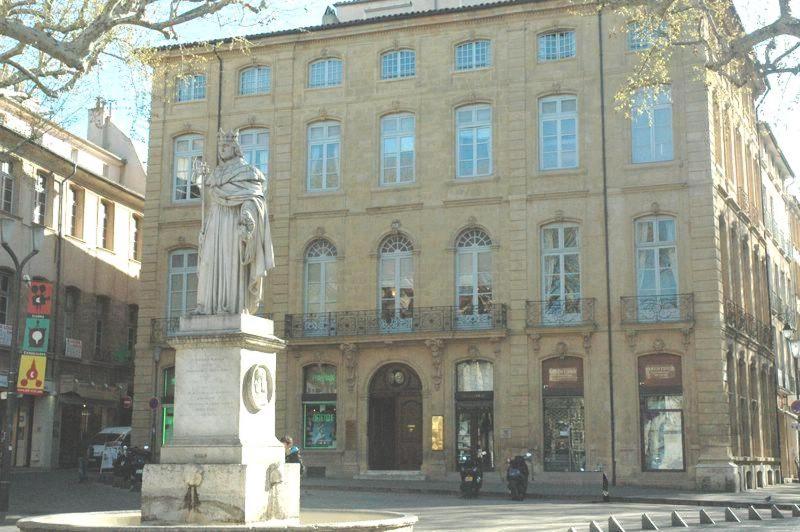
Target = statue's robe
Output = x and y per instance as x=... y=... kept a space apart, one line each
x=233 y=265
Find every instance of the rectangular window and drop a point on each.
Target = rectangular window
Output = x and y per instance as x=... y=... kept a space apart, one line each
x=188 y=153
x=640 y=38
x=133 y=320
x=101 y=311
x=325 y=73
x=474 y=141
x=72 y=297
x=136 y=237
x=472 y=55
x=75 y=214
x=557 y=45
x=657 y=269
x=651 y=126
x=561 y=274
x=105 y=218
x=182 y=283
x=40 y=201
x=323 y=156
x=167 y=402
x=319 y=420
x=255 y=148
x=662 y=432
x=190 y=88
x=7 y=192
x=5 y=296
x=398 y=64
x=558 y=132
x=397 y=149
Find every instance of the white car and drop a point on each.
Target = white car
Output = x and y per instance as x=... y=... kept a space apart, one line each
x=108 y=437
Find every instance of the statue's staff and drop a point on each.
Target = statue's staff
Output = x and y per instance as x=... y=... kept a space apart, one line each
x=200 y=168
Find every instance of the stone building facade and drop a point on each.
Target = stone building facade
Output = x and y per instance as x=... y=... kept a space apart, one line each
x=89 y=201
x=474 y=249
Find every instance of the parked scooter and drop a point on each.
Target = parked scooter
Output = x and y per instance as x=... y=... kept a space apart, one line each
x=139 y=457
x=517 y=475
x=471 y=469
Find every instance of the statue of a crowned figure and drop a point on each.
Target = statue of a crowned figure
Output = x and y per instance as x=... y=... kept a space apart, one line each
x=235 y=241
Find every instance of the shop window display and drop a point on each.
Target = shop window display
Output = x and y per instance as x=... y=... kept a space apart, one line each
x=319 y=407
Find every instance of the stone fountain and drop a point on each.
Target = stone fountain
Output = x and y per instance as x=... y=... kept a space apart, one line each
x=224 y=469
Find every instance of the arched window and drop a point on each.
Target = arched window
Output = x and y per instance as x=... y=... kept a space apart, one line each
x=255 y=80
x=396 y=283
x=657 y=269
x=324 y=143
x=325 y=73
x=188 y=150
x=562 y=391
x=558 y=132
x=474 y=54
x=182 y=288
x=651 y=126
x=661 y=405
x=319 y=406
x=474 y=279
x=398 y=64
x=320 y=287
x=475 y=409
x=397 y=149
x=561 y=273
x=474 y=140
x=255 y=148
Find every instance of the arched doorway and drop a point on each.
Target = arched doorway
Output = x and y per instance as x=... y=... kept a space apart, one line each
x=395 y=419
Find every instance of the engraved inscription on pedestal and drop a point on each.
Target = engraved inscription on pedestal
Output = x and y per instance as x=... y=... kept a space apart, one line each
x=209 y=403
x=257 y=388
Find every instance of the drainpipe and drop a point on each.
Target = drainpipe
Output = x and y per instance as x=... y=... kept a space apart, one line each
x=606 y=244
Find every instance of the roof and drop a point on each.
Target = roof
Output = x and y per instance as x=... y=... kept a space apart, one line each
x=351 y=23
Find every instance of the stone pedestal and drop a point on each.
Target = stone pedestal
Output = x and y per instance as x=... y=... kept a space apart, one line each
x=224 y=464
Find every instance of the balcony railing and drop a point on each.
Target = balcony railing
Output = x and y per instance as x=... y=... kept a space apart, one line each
x=560 y=313
x=745 y=323
x=375 y=322
x=658 y=308
x=163 y=328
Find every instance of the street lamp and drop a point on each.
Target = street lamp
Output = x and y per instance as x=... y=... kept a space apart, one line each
x=8 y=229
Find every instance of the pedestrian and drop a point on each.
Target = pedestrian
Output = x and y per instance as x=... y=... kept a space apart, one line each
x=293 y=453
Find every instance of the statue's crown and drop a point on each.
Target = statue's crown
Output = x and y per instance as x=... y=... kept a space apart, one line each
x=227 y=136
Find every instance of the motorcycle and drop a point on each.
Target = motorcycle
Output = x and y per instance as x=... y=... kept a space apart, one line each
x=139 y=458
x=471 y=469
x=517 y=475
x=129 y=467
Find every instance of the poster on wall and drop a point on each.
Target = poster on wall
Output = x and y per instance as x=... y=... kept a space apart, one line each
x=320 y=425
x=37 y=335
x=40 y=298
x=31 y=374
x=73 y=348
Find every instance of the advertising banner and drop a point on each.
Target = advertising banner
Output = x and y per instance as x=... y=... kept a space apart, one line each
x=31 y=374
x=40 y=298
x=37 y=334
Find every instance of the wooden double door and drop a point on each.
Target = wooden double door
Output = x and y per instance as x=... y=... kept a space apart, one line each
x=394 y=425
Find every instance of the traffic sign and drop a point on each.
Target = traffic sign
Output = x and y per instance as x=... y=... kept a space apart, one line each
x=127 y=402
x=796 y=406
x=153 y=403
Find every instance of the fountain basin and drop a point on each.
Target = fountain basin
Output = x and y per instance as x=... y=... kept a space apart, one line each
x=316 y=520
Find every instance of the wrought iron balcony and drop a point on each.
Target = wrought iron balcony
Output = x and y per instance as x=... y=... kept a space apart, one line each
x=560 y=313
x=658 y=309
x=745 y=323
x=163 y=328
x=376 y=322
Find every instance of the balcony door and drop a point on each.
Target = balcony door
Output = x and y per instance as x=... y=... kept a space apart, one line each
x=320 y=288
x=473 y=280
x=396 y=289
x=561 y=274
x=656 y=269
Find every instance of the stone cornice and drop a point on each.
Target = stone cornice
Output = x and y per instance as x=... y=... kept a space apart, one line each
x=253 y=342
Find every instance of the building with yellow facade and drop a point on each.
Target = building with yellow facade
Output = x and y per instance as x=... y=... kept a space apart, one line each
x=475 y=250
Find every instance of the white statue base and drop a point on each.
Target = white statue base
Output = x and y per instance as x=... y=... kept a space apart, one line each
x=224 y=464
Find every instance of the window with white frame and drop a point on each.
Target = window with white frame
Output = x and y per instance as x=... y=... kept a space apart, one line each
x=105 y=222
x=557 y=45
x=320 y=290
x=182 y=287
x=651 y=126
x=324 y=144
x=397 y=149
x=325 y=73
x=75 y=214
x=7 y=200
x=640 y=38
x=472 y=55
x=656 y=268
x=474 y=140
x=40 y=199
x=474 y=279
x=561 y=273
x=255 y=147
x=398 y=64
x=136 y=237
x=396 y=283
x=190 y=88
x=188 y=151
x=558 y=132
x=255 y=80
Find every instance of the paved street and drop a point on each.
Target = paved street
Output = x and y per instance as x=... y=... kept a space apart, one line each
x=59 y=491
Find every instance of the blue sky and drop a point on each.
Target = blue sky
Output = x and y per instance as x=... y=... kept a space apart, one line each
x=780 y=107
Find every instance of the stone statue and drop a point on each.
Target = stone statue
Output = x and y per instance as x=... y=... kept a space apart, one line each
x=235 y=241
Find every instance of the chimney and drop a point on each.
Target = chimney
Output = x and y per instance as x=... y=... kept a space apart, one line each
x=99 y=116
